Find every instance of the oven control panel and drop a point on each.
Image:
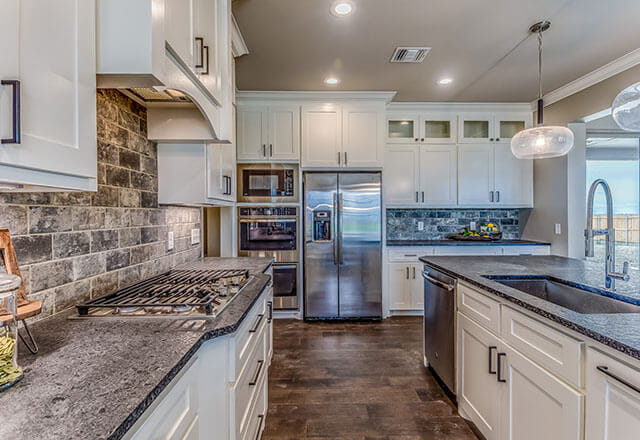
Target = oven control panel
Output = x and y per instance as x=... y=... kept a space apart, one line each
x=264 y=211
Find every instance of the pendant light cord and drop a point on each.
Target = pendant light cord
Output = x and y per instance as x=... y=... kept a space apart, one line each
x=540 y=64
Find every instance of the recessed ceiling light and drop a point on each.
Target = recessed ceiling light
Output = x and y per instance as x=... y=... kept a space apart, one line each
x=445 y=81
x=332 y=81
x=342 y=8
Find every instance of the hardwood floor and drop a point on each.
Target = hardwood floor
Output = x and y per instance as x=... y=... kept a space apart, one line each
x=356 y=381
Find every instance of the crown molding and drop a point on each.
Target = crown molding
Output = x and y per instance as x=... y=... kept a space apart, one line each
x=524 y=107
x=613 y=68
x=238 y=45
x=331 y=95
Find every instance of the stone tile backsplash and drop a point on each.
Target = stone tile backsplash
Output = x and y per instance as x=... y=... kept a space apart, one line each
x=72 y=246
x=402 y=224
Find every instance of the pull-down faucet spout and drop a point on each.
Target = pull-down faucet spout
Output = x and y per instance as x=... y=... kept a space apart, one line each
x=610 y=275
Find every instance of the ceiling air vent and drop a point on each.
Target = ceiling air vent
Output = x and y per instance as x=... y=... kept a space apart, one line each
x=409 y=54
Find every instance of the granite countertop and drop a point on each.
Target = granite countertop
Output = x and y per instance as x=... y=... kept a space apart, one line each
x=619 y=331
x=94 y=377
x=392 y=243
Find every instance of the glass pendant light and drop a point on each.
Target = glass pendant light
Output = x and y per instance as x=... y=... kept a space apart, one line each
x=541 y=142
x=626 y=108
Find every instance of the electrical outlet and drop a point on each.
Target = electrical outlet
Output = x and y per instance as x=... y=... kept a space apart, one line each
x=558 y=229
x=195 y=236
x=420 y=226
x=170 y=242
x=472 y=226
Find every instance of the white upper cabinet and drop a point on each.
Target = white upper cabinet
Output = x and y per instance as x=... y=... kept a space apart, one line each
x=268 y=132
x=491 y=127
x=48 y=98
x=321 y=136
x=180 y=21
x=401 y=175
x=427 y=127
x=475 y=174
x=490 y=175
x=208 y=52
x=438 y=175
x=362 y=132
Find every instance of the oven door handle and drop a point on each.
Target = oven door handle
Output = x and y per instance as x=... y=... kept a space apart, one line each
x=267 y=220
x=438 y=283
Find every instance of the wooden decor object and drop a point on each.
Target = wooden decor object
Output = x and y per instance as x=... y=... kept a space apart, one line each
x=26 y=308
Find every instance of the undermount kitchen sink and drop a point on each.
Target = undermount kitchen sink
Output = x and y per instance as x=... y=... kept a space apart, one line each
x=573 y=298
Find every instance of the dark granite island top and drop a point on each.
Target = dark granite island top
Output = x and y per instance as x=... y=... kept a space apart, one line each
x=398 y=243
x=94 y=377
x=619 y=331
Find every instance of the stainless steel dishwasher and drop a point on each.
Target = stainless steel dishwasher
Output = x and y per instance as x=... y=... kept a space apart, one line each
x=439 y=325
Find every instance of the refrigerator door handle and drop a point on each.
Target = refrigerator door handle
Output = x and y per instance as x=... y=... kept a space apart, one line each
x=336 y=256
x=339 y=211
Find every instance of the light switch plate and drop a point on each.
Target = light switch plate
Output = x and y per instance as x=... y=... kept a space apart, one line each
x=420 y=226
x=170 y=242
x=195 y=236
x=558 y=229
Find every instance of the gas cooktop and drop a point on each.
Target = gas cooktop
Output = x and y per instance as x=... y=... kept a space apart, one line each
x=178 y=293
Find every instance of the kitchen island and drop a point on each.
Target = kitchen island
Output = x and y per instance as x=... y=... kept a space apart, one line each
x=567 y=352
x=95 y=377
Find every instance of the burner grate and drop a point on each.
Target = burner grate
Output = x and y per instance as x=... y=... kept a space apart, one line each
x=173 y=290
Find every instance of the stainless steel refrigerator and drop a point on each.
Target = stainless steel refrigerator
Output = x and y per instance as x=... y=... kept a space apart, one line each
x=342 y=245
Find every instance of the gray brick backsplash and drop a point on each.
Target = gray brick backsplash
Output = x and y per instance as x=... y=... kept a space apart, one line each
x=75 y=245
x=402 y=224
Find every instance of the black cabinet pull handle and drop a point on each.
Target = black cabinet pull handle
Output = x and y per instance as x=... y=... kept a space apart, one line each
x=407 y=271
x=491 y=350
x=497 y=139
x=261 y=418
x=414 y=273
x=497 y=196
x=605 y=370
x=491 y=139
x=339 y=158
x=256 y=375
x=270 y=308
x=499 y=372
x=416 y=196
x=264 y=150
x=15 y=107
x=270 y=150
x=422 y=140
x=206 y=64
x=200 y=43
x=422 y=196
x=256 y=324
x=416 y=139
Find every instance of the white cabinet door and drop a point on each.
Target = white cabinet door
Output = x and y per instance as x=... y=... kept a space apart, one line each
x=513 y=178
x=362 y=136
x=252 y=132
x=51 y=51
x=475 y=128
x=216 y=184
x=209 y=54
x=179 y=28
x=403 y=128
x=475 y=174
x=438 y=175
x=438 y=128
x=284 y=132
x=478 y=390
x=228 y=171
x=535 y=404
x=507 y=125
x=416 y=286
x=401 y=175
x=321 y=136
x=613 y=407
x=399 y=295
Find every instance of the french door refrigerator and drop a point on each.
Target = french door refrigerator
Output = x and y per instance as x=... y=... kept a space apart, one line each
x=342 y=245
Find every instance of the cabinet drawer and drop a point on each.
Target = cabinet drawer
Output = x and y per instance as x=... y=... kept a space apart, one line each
x=554 y=350
x=257 y=419
x=479 y=307
x=246 y=336
x=526 y=250
x=176 y=416
x=468 y=250
x=246 y=389
x=409 y=255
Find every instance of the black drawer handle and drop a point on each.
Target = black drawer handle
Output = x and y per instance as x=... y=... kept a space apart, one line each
x=256 y=375
x=15 y=107
x=261 y=418
x=605 y=370
x=206 y=64
x=270 y=308
x=500 y=379
x=200 y=43
x=257 y=323
x=491 y=350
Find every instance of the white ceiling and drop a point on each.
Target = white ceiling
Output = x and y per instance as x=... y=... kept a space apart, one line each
x=295 y=44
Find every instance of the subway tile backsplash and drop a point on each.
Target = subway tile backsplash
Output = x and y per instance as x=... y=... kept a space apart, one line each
x=72 y=246
x=402 y=224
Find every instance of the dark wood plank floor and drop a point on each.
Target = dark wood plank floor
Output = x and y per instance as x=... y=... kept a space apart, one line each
x=356 y=381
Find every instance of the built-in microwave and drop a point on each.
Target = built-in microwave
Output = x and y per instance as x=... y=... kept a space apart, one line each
x=268 y=183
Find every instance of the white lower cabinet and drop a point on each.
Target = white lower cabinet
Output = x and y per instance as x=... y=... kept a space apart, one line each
x=222 y=393
x=613 y=398
x=405 y=286
x=536 y=404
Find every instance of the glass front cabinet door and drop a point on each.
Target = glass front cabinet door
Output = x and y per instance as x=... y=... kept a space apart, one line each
x=475 y=128
x=438 y=128
x=509 y=124
x=403 y=128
